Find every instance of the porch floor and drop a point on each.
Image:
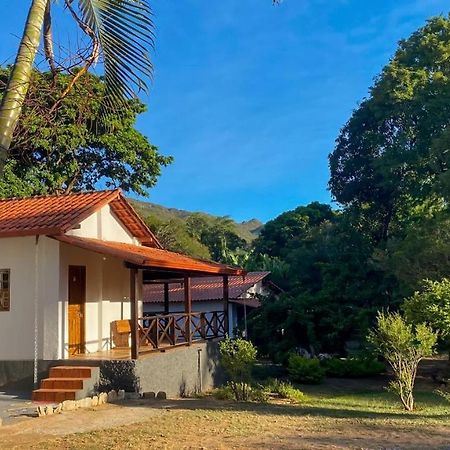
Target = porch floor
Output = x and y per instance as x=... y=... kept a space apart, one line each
x=124 y=353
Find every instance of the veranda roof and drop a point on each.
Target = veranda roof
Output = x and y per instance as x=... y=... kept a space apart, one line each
x=206 y=288
x=151 y=258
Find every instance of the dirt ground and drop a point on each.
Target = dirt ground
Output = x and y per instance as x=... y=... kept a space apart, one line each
x=210 y=424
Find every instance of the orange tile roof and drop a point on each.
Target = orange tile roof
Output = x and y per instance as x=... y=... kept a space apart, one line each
x=56 y=214
x=206 y=288
x=154 y=258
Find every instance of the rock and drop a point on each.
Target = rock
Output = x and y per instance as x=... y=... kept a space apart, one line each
x=68 y=405
x=86 y=403
x=149 y=395
x=161 y=395
x=49 y=410
x=112 y=396
x=41 y=411
x=121 y=395
x=103 y=398
x=58 y=409
x=95 y=400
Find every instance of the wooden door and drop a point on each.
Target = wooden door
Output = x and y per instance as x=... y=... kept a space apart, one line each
x=77 y=301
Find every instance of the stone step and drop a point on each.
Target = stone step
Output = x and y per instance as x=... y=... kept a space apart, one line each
x=54 y=395
x=62 y=383
x=70 y=372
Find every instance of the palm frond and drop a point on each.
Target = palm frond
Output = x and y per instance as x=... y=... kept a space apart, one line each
x=126 y=33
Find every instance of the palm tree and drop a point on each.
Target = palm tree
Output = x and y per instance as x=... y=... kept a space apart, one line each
x=122 y=30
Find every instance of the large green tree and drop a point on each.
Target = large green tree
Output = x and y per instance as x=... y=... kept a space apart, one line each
x=393 y=153
x=120 y=31
x=71 y=149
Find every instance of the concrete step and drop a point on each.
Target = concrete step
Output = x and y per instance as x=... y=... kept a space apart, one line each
x=54 y=395
x=70 y=372
x=62 y=383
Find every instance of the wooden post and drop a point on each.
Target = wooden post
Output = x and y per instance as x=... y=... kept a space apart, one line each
x=134 y=315
x=188 y=308
x=166 y=298
x=226 y=299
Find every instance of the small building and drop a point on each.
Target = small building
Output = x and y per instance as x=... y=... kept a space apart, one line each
x=71 y=278
x=245 y=293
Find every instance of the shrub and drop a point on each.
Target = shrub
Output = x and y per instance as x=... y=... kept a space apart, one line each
x=403 y=346
x=284 y=389
x=238 y=358
x=254 y=393
x=352 y=367
x=305 y=370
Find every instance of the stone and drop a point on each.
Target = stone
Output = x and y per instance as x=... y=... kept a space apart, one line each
x=149 y=395
x=49 y=410
x=58 y=409
x=121 y=395
x=41 y=411
x=161 y=395
x=103 y=398
x=85 y=403
x=95 y=400
x=112 y=396
x=68 y=405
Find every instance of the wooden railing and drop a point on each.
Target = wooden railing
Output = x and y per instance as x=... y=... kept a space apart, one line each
x=181 y=329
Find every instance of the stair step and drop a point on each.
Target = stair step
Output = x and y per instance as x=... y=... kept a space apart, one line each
x=62 y=383
x=53 y=395
x=70 y=372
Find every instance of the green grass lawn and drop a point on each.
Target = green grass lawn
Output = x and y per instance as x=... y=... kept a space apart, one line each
x=339 y=414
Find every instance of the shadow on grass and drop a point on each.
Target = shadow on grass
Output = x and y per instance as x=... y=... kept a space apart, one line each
x=338 y=411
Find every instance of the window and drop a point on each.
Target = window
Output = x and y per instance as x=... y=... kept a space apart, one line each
x=5 y=291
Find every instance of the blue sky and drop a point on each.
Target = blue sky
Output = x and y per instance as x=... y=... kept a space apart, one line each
x=249 y=98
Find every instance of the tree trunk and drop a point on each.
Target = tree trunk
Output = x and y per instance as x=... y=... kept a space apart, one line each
x=19 y=81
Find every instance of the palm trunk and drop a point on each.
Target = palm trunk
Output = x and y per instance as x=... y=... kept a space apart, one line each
x=19 y=81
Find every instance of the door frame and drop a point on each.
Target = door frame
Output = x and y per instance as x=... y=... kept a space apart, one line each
x=82 y=344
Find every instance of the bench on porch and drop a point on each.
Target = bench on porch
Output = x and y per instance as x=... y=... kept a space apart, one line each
x=121 y=332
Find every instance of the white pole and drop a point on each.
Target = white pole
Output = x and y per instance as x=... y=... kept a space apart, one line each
x=36 y=312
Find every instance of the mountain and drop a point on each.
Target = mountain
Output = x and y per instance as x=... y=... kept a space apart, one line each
x=248 y=230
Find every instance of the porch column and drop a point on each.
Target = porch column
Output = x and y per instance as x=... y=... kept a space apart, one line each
x=166 y=298
x=226 y=300
x=134 y=315
x=188 y=308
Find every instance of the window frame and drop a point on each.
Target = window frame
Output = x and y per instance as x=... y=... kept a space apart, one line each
x=5 y=281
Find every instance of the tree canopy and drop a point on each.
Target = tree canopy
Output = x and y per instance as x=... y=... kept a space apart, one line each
x=71 y=149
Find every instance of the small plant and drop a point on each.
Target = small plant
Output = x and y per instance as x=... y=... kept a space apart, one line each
x=305 y=370
x=238 y=358
x=403 y=346
x=284 y=389
x=352 y=367
x=224 y=392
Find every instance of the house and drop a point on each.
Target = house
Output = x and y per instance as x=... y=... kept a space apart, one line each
x=71 y=277
x=245 y=293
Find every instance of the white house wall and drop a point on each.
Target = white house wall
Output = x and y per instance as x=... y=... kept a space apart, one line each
x=17 y=326
x=107 y=294
x=104 y=225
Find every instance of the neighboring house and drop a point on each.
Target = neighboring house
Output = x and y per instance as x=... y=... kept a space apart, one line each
x=71 y=274
x=245 y=293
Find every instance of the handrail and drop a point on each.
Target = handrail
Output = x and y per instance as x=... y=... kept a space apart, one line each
x=163 y=330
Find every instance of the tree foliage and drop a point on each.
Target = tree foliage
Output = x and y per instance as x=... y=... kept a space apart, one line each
x=431 y=305
x=69 y=150
x=389 y=174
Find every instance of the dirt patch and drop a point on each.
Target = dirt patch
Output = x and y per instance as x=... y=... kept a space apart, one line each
x=206 y=423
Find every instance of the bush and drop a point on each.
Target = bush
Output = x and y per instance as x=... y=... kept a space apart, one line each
x=305 y=370
x=254 y=393
x=352 y=367
x=238 y=358
x=403 y=346
x=285 y=390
